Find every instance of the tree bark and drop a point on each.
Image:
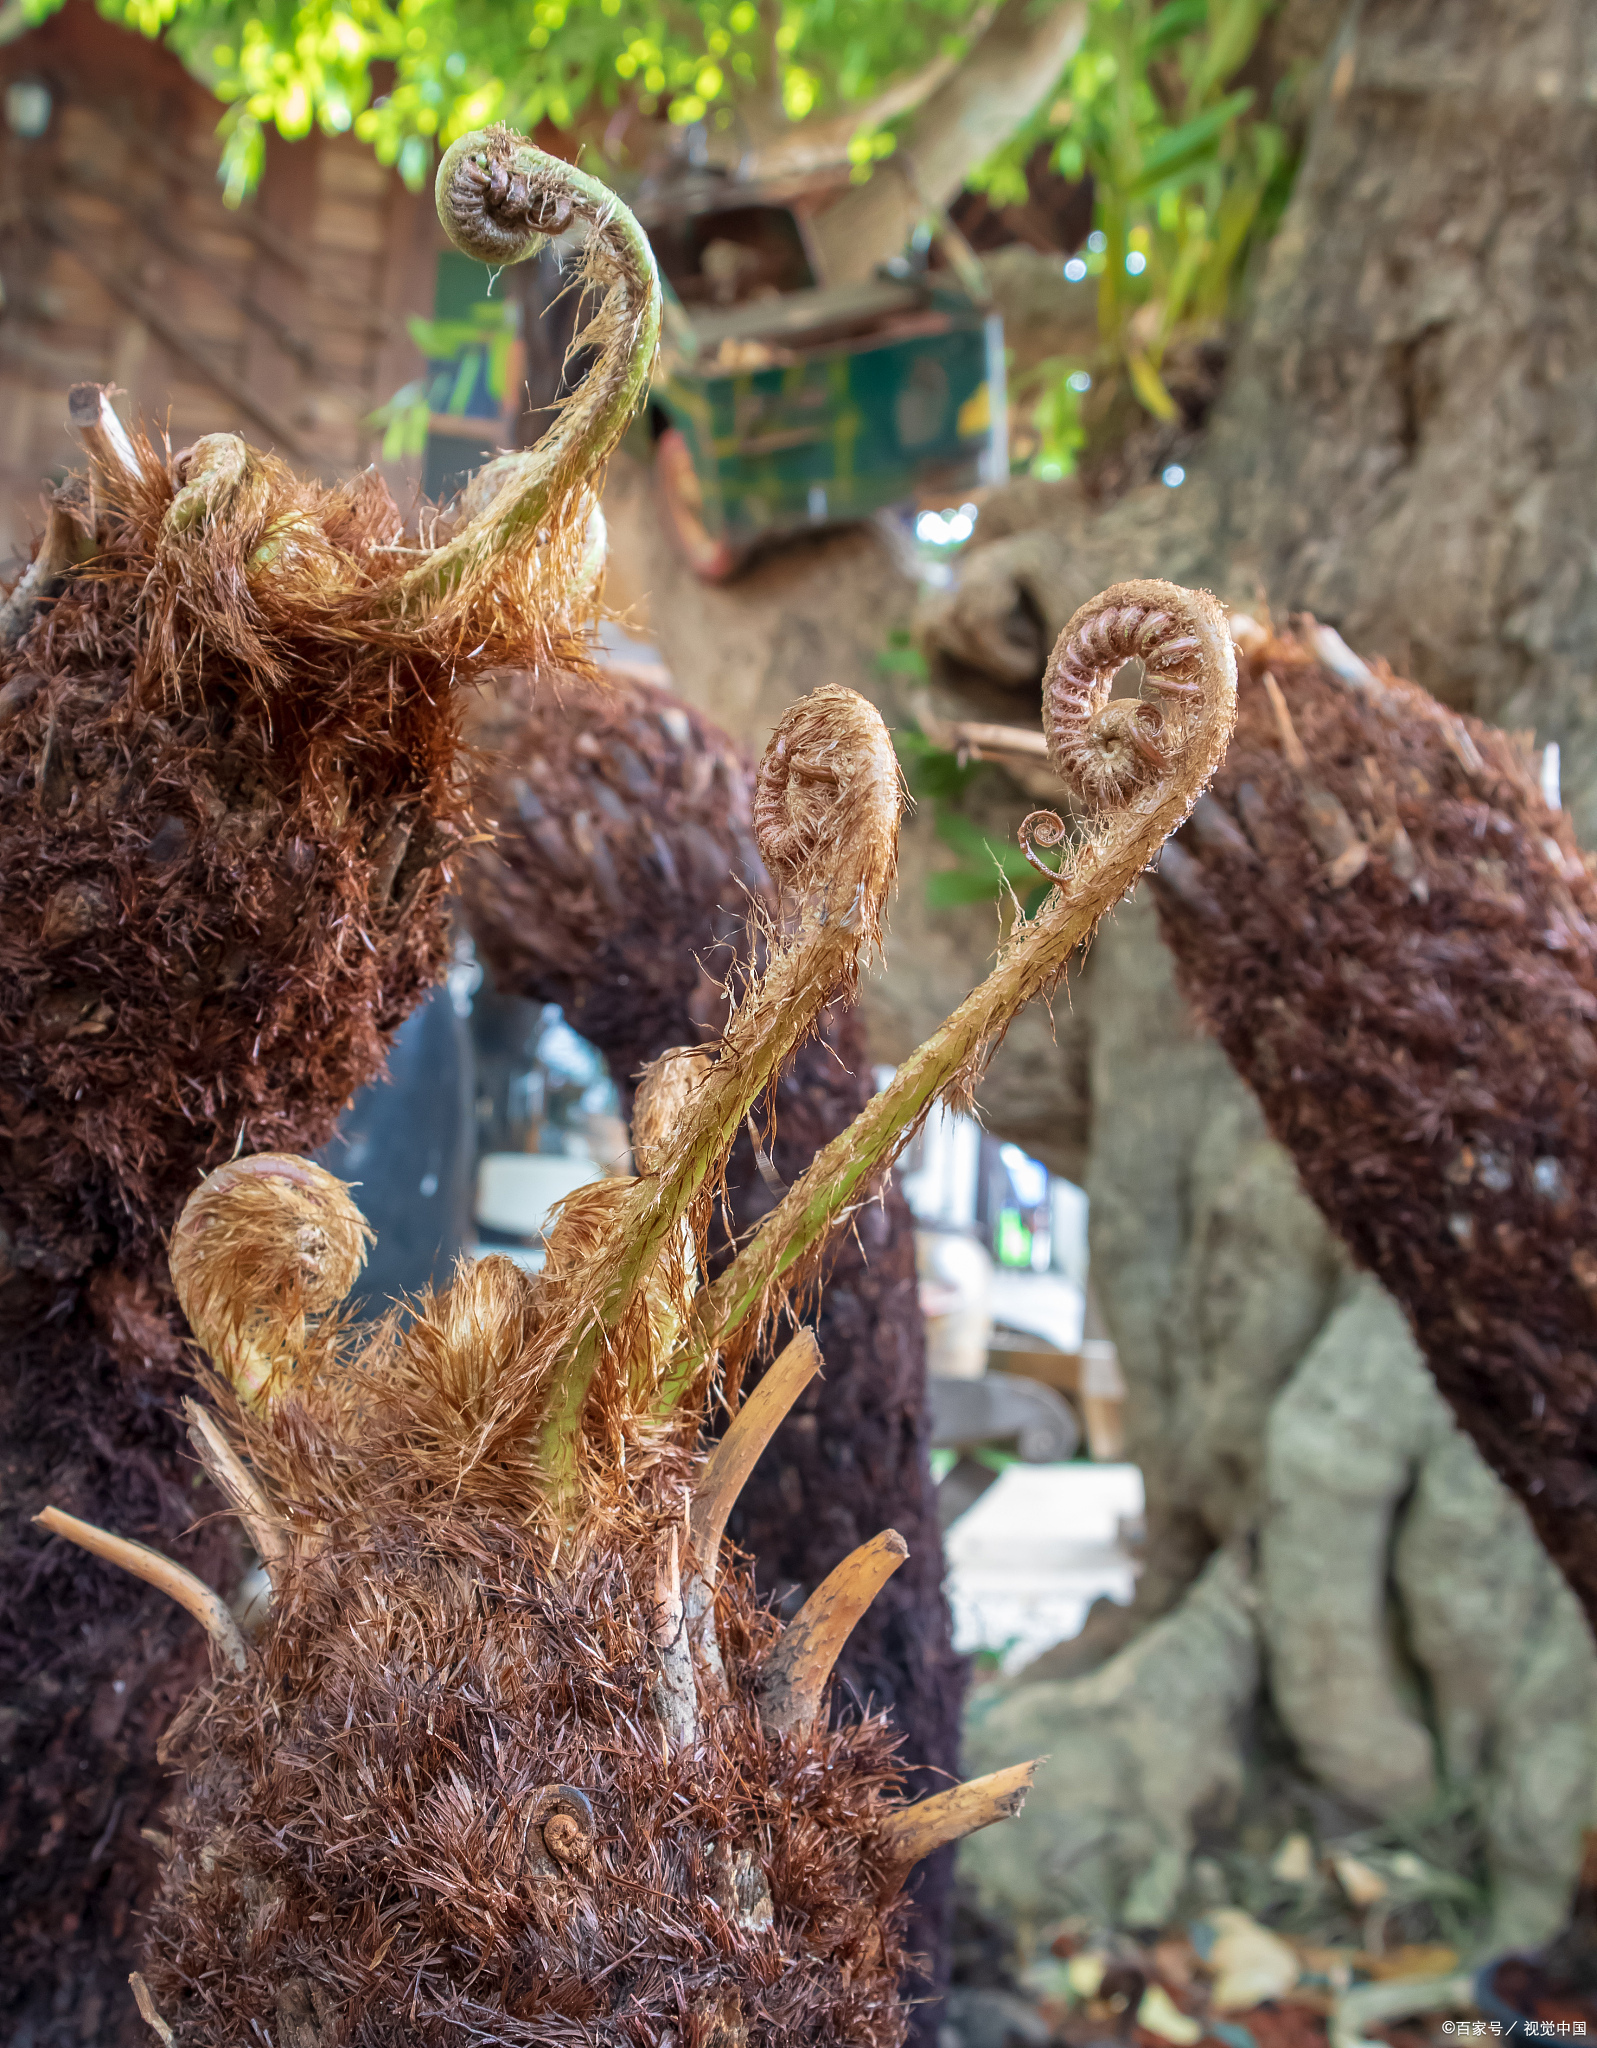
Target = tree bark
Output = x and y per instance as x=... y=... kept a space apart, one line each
x=1012 y=69
x=619 y=888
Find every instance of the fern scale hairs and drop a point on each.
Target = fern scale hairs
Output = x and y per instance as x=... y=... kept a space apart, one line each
x=424 y=1666
x=1389 y=924
x=229 y=788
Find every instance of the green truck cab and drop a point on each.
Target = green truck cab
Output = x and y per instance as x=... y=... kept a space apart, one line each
x=783 y=404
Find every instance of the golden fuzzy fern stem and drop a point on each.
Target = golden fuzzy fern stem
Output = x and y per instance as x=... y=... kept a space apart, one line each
x=499 y=199
x=826 y=818
x=1136 y=768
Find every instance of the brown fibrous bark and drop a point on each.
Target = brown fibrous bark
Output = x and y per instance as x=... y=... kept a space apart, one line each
x=1394 y=936
x=227 y=808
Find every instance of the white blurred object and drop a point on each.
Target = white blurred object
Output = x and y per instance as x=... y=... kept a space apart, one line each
x=1067 y=1230
x=517 y=1190
x=1552 y=762
x=1249 y=635
x=1028 y=1560
x=1044 y=1305
x=956 y=1298
x=939 y=1171
x=253 y=1601
x=1338 y=657
x=1250 y=1965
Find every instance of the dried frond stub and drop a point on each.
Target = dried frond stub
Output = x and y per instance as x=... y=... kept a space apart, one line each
x=208 y=1608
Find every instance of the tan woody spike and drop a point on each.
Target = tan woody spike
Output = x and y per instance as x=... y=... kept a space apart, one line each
x=238 y=1485
x=207 y=1608
x=794 y=1679
x=735 y=1456
x=915 y=1831
x=115 y=460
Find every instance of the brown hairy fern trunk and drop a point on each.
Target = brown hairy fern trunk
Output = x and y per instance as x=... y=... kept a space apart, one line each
x=515 y=1747
x=1394 y=936
x=224 y=824
x=92 y=1670
x=229 y=720
x=174 y=877
x=617 y=890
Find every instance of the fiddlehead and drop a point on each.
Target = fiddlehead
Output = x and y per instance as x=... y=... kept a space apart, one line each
x=500 y=198
x=826 y=808
x=1138 y=770
x=263 y=1244
x=1103 y=752
x=826 y=818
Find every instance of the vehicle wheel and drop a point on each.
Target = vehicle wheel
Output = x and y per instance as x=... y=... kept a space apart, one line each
x=711 y=559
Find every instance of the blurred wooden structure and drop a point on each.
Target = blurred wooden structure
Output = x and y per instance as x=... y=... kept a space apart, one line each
x=284 y=320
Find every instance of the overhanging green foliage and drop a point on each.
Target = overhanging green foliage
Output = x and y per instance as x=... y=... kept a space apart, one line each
x=461 y=64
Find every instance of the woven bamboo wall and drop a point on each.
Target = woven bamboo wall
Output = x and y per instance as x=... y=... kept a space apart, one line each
x=283 y=320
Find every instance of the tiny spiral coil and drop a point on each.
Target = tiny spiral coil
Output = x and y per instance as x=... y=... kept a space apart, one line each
x=561 y=1825
x=827 y=801
x=1105 y=752
x=1042 y=828
x=494 y=201
x=262 y=1243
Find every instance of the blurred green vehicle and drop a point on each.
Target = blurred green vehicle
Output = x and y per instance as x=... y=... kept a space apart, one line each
x=782 y=404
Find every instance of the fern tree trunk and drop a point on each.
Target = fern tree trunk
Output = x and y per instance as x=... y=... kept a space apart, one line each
x=1411 y=997
x=172 y=981
x=628 y=914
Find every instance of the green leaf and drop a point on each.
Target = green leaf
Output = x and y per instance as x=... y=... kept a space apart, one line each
x=1177 y=153
x=1177 y=19
x=975 y=847
x=465 y=383
x=1149 y=387
x=903 y=661
x=409 y=75
x=1233 y=31
x=953 y=888
x=934 y=774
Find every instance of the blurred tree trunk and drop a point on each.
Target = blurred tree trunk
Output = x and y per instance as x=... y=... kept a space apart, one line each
x=1403 y=445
